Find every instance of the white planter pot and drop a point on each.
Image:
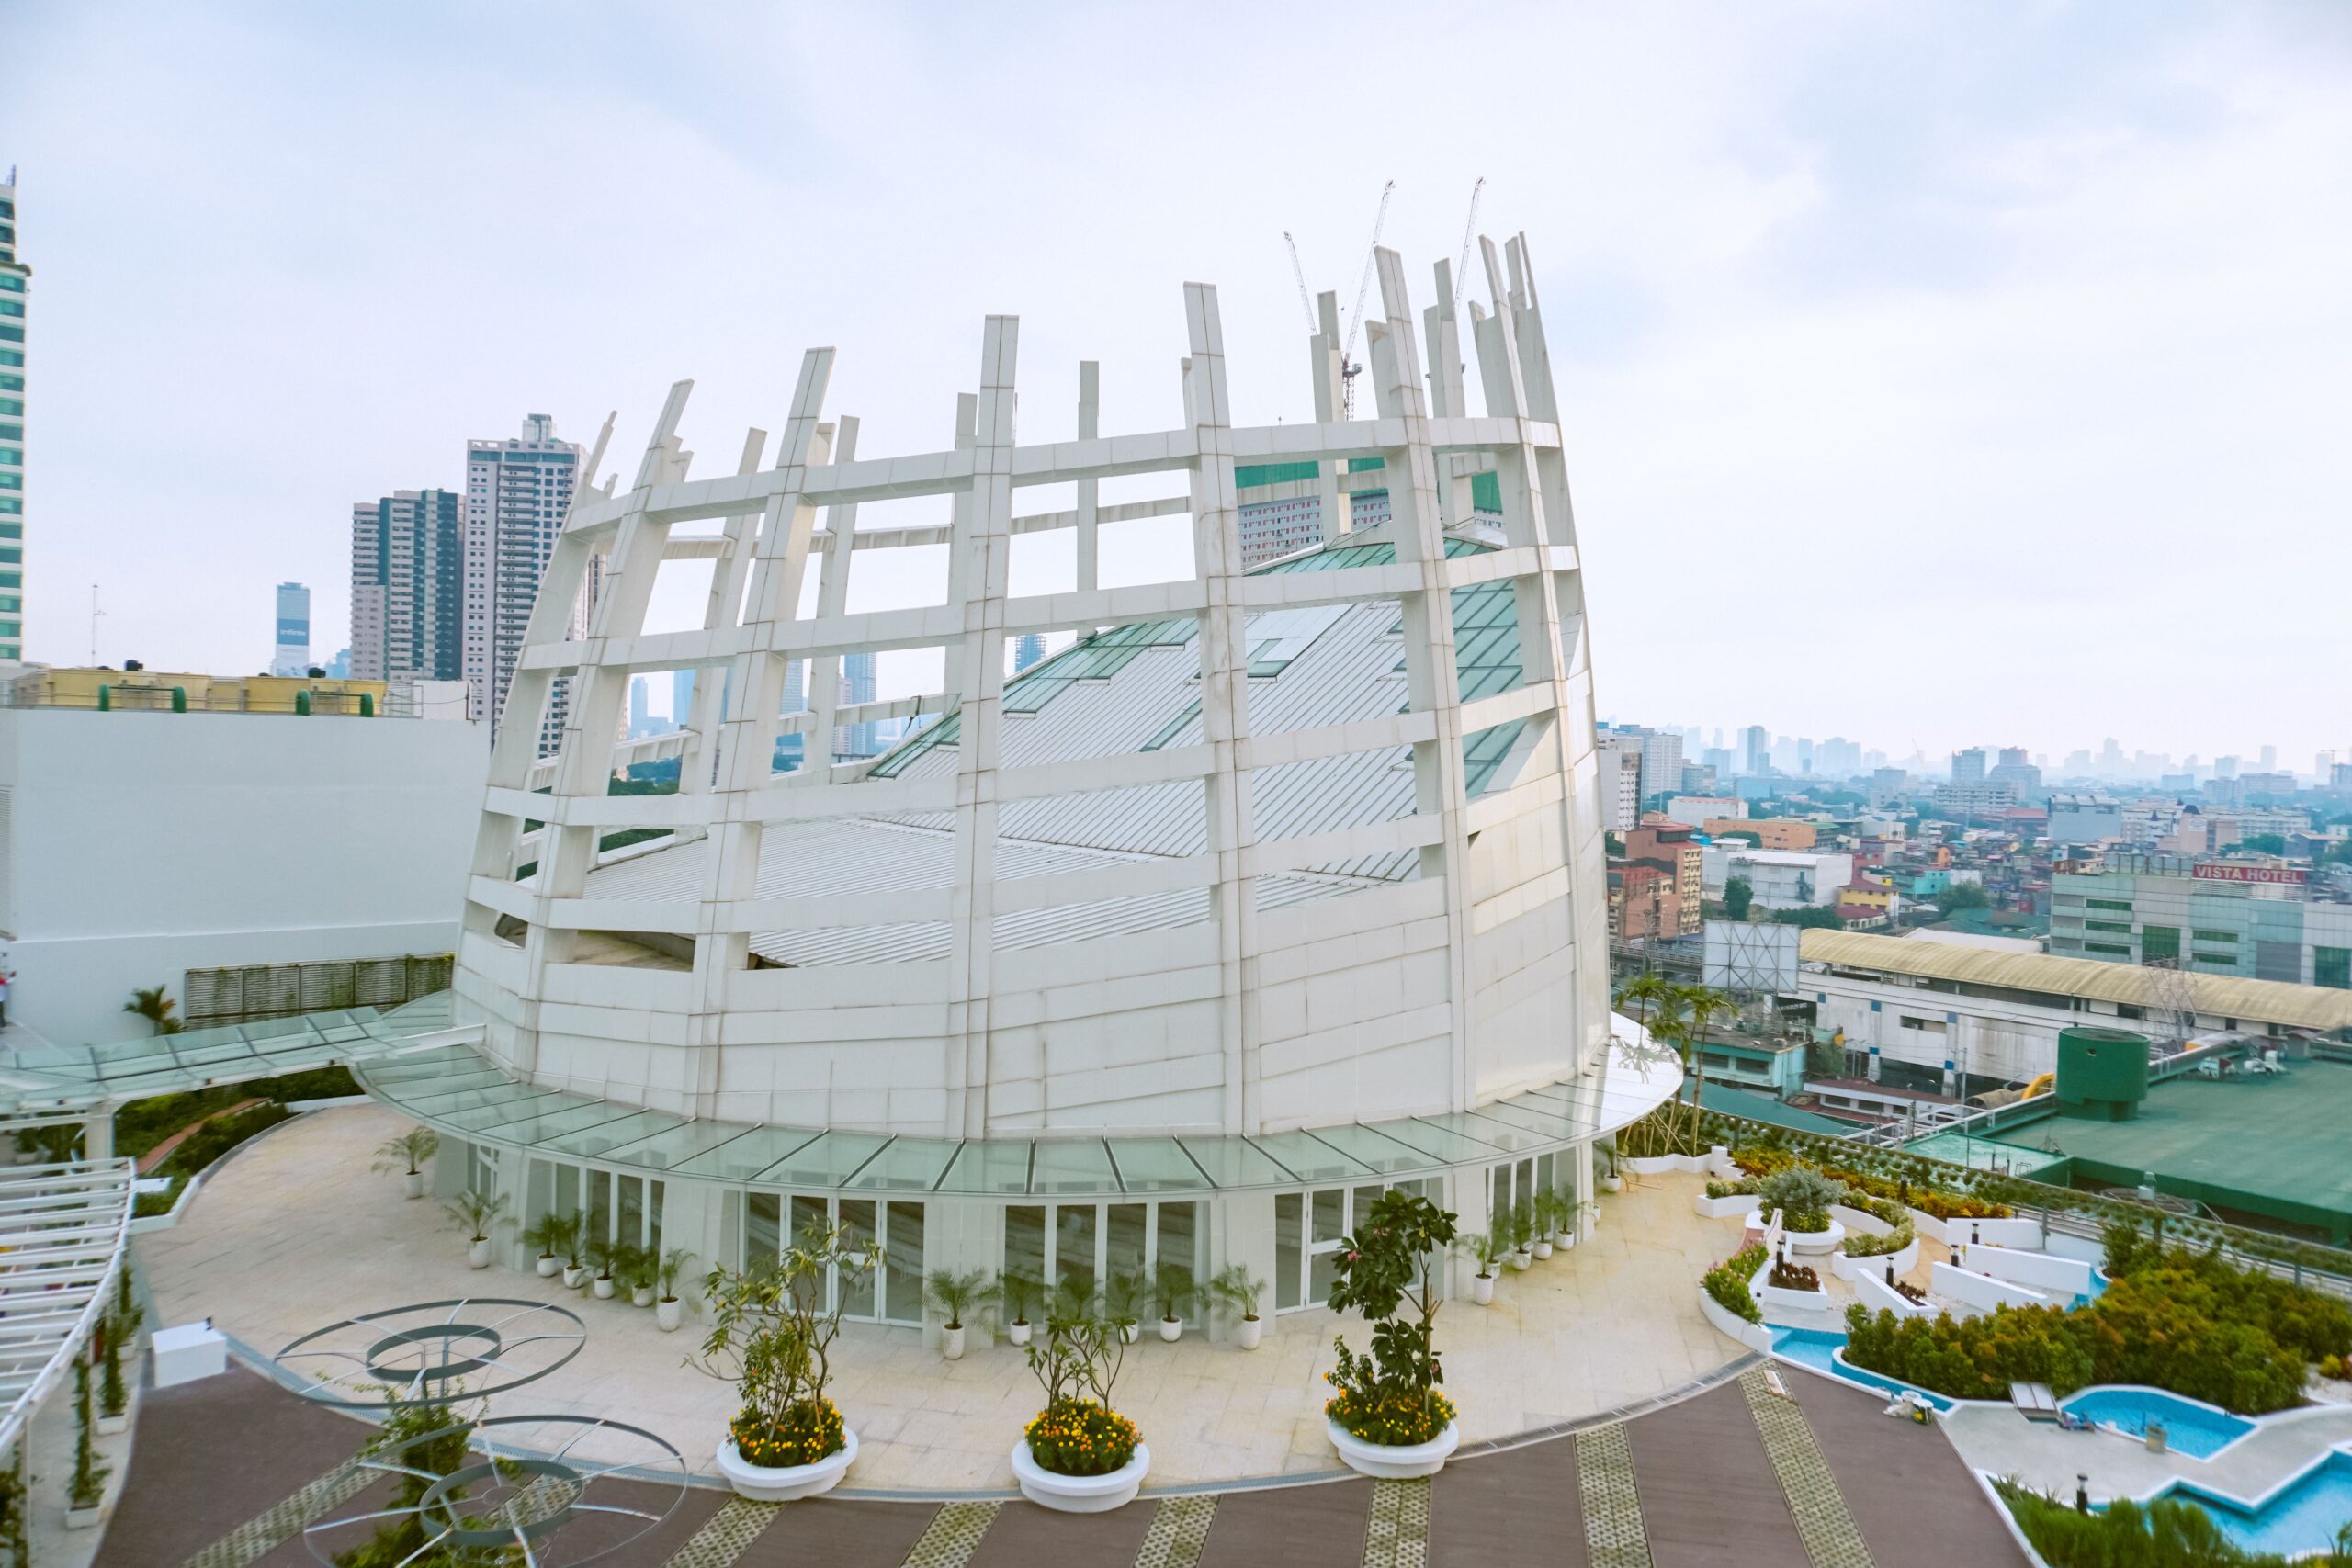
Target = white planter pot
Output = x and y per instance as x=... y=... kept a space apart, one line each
x=414 y=1182
x=642 y=1296
x=1018 y=1333
x=668 y=1314
x=604 y=1287
x=1812 y=1242
x=113 y=1426
x=1482 y=1289
x=1729 y=1208
x=1131 y=1332
x=787 y=1483
x=1544 y=1248
x=84 y=1519
x=1171 y=1329
x=1080 y=1493
x=1392 y=1463
x=1563 y=1240
x=1521 y=1259
x=951 y=1343
x=1613 y=1184
x=1846 y=1267
x=1248 y=1332
x=548 y=1267
x=478 y=1254
x=572 y=1275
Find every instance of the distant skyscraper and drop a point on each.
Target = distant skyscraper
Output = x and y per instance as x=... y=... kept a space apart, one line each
x=1026 y=650
x=517 y=492
x=640 y=716
x=15 y=289
x=1758 y=743
x=1968 y=767
x=292 y=655
x=858 y=686
x=682 y=697
x=339 y=667
x=406 y=576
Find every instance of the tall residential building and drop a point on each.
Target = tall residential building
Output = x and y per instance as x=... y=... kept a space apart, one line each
x=291 y=656
x=339 y=667
x=682 y=697
x=1968 y=767
x=1620 y=781
x=1661 y=764
x=1757 y=741
x=1028 y=649
x=517 y=492
x=640 y=713
x=407 y=571
x=16 y=290
x=858 y=683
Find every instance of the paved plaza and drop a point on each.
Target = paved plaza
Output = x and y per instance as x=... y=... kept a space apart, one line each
x=292 y=1234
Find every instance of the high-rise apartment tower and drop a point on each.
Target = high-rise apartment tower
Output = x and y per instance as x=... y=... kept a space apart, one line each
x=406 y=575
x=291 y=655
x=15 y=293
x=517 y=492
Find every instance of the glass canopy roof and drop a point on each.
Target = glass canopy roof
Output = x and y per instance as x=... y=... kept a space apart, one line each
x=457 y=1089
x=73 y=1077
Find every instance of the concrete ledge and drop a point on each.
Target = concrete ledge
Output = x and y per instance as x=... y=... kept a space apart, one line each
x=141 y=1225
x=1755 y=1336
x=1872 y=1291
x=1846 y=1267
x=1981 y=1292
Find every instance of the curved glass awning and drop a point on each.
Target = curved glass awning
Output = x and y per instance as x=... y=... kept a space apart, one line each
x=459 y=1092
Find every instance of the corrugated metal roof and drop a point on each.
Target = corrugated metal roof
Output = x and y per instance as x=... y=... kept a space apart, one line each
x=2258 y=1001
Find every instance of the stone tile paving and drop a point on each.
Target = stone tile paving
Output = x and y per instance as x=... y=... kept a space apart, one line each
x=1613 y=1533
x=1831 y=1539
x=293 y=1234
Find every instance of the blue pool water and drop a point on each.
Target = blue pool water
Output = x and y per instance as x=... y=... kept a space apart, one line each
x=2304 y=1518
x=1813 y=1348
x=2191 y=1429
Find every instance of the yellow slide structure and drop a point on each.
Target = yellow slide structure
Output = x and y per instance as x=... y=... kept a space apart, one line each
x=2041 y=1085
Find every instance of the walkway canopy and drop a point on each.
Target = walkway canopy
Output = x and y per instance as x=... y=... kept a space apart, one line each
x=61 y=1233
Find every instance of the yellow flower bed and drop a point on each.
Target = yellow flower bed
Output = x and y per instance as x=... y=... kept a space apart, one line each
x=1078 y=1437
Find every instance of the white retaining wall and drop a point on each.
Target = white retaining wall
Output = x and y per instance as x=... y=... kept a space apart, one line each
x=1878 y=1295
x=2061 y=1277
x=1981 y=1291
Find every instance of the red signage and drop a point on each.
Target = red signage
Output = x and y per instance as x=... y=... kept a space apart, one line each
x=2223 y=871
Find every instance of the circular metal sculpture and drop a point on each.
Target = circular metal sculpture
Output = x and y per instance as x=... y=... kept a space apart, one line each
x=431 y=1353
x=540 y=1491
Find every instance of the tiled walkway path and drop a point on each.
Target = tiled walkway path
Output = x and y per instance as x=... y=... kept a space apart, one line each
x=1814 y=1479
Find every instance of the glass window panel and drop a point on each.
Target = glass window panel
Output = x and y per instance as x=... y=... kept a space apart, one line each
x=1311 y=1159
x=1371 y=1149
x=632 y=1211
x=908 y=1165
x=1123 y=1246
x=1322 y=1270
x=1543 y=1120
x=904 y=1263
x=1365 y=1198
x=808 y=1213
x=653 y=1214
x=988 y=1165
x=1074 y=1245
x=673 y=1146
x=600 y=1202
x=1494 y=1134
x=592 y=1143
x=741 y=1159
x=1289 y=1244
x=1330 y=1214
x=1235 y=1162
x=1180 y=1247
x=763 y=1237
x=857 y=1220
x=1155 y=1165
x=1071 y=1166
x=1024 y=1241
x=827 y=1160
x=508 y=1095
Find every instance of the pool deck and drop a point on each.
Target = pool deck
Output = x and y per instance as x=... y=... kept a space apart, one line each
x=1997 y=1440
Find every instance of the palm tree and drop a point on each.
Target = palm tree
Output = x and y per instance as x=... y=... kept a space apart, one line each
x=1699 y=1007
x=150 y=1003
x=1646 y=993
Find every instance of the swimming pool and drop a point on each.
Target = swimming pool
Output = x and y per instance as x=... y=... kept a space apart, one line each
x=2304 y=1518
x=1816 y=1349
x=2197 y=1430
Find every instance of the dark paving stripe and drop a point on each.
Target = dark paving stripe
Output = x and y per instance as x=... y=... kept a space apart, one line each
x=839 y=1535
x=210 y=1456
x=1913 y=1497
x=1534 y=1487
x=588 y=1533
x=1709 y=1493
x=1027 y=1536
x=1295 y=1527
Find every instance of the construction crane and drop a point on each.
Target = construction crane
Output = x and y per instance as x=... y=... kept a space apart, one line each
x=1305 y=300
x=1469 y=232
x=1348 y=366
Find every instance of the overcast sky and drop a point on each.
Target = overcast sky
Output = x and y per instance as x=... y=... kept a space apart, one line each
x=1949 y=373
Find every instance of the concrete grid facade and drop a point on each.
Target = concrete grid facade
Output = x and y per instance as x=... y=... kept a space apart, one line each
x=16 y=297
x=853 y=946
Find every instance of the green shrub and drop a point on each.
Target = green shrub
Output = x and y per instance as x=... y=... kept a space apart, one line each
x=1731 y=1188
x=214 y=1139
x=2165 y=1533
x=1860 y=1246
x=1728 y=1282
x=1803 y=1196
x=153 y=1203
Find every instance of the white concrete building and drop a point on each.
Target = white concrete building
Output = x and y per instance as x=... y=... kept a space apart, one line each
x=15 y=305
x=1697 y=811
x=1621 y=781
x=2084 y=819
x=1780 y=879
x=1178 y=948
x=138 y=847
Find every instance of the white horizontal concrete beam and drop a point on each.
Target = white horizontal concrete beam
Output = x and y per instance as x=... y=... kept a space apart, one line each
x=1276 y=748
x=1521 y=702
x=860 y=797
x=1101 y=884
x=903 y=907
x=1343 y=845
x=1124 y=770
x=511 y=898
x=1339 y=585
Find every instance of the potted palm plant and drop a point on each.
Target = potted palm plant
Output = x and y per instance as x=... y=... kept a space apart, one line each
x=952 y=1295
x=1172 y=1290
x=1490 y=1250
x=477 y=1213
x=1078 y=1455
x=772 y=1327
x=574 y=1250
x=634 y=1267
x=86 y=1492
x=1388 y=1420
x=668 y=1311
x=407 y=1153
x=1233 y=1288
x=604 y=1253
x=547 y=1233
x=1123 y=1296
x=1016 y=1291
x=1539 y=1224
x=1523 y=1235
x=117 y=1332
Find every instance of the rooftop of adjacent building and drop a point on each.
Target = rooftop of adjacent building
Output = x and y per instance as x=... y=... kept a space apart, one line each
x=137 y=690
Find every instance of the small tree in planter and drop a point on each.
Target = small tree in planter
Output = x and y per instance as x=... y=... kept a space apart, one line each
x=477 y=1213
x=668 y=1311
x=1017 y=1291
x=87 y=1489
x=1123 y=1299
x=1522 y=1233
x=633 y=1267
x=118 y=1329
x=1489 y=1251
x=552 y=1234
x=772 y=1336
x=952 y=1295
x=574 y=1248
x=1803 y=1195
x=604 y=1253
x=1172 y=1291
x=1079 y=1455
x=1233 y=1288
x=407 y=1153
x=1389 y=1418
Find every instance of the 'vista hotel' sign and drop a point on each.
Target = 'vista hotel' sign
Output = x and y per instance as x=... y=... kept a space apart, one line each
x=2223 y=871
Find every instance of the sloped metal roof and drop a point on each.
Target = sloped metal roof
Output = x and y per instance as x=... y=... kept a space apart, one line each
x=2258 y=1001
